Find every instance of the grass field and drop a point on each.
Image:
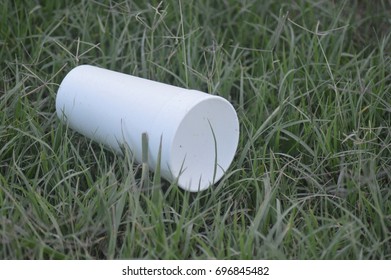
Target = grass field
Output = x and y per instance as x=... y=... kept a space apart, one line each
x=310 y=80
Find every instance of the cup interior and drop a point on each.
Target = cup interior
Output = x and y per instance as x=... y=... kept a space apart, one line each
x=204 y=144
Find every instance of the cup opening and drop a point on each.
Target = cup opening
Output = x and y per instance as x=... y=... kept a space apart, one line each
x=204 y=144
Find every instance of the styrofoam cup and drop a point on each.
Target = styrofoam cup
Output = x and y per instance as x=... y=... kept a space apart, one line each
x=198 y=132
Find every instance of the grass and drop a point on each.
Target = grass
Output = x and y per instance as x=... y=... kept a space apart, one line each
x=310 y=80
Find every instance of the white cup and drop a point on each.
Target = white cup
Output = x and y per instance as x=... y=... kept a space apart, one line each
x=198 y=132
